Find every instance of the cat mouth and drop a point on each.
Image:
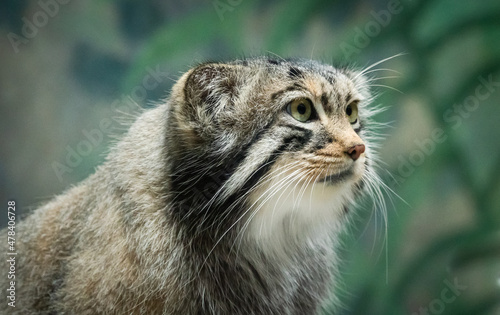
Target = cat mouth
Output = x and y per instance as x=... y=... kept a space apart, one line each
x=337 y=177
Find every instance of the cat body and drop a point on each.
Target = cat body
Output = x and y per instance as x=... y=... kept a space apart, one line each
x=227 y=199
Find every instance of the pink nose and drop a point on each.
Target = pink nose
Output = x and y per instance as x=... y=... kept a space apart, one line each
x=355 y=151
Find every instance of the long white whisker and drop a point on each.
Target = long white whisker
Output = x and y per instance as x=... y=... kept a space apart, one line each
x=381 y=69
x=386 y=86
x=377 y=63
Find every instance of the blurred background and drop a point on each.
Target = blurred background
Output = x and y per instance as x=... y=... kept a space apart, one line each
x=72 y=73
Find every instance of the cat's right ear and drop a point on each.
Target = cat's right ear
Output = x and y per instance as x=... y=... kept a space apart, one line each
x=200 y=99
x=211 y=87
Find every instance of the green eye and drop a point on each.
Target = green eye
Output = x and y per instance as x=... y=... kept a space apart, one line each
x=352 y=112
x=300 y=109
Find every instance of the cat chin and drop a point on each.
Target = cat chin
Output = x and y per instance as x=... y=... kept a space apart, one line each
x=300 y=211
x=354 y=171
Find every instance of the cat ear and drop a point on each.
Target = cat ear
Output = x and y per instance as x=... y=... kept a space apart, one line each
x=212 y=86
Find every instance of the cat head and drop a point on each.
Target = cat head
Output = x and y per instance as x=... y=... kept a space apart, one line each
x=283 y=143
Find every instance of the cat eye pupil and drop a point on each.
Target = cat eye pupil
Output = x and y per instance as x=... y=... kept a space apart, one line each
x=301 y=109
x=348 y=110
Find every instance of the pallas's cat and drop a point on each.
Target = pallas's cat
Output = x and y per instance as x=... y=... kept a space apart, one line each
x=226 y=199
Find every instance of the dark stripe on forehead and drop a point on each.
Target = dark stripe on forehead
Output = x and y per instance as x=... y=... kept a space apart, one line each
x=272 y=61
x=348 y=97
x=339 y=99
x=330 y=78
x=294 y=73
x=324 y=100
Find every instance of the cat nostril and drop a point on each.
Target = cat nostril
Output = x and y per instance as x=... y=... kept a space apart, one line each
x=356 y=151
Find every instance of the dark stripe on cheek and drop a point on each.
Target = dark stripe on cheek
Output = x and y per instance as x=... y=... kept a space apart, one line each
x=291 y=143
x=294 y=127
x=296 y=142
x=317 y=146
